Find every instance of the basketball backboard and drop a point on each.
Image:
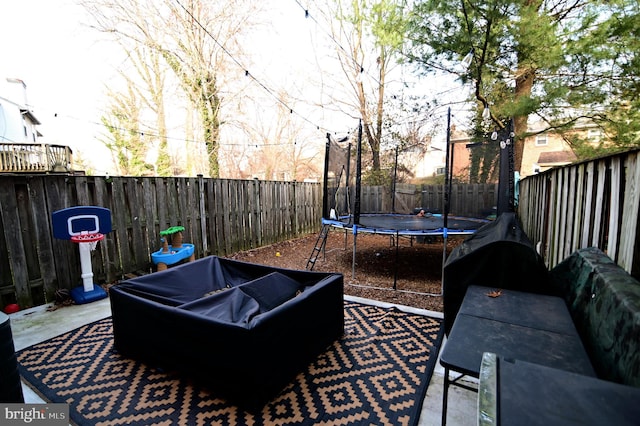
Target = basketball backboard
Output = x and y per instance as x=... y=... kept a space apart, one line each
x=74 y=221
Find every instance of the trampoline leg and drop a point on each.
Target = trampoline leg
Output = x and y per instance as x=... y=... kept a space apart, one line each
x=444 y=259
x=395 y=266
x=353 y=261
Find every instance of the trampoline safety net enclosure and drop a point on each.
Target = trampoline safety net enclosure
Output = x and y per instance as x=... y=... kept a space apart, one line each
x=389 y=210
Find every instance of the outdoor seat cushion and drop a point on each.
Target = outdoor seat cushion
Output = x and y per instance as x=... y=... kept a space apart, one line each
x=271 y=290
x=231 y=306
x=604 y=301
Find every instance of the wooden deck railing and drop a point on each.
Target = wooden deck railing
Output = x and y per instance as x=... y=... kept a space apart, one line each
x=30 y=158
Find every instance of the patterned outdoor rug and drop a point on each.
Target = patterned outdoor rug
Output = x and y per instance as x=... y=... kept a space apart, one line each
x=376 y=374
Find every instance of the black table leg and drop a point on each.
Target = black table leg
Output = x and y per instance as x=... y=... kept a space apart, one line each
x=445 y=394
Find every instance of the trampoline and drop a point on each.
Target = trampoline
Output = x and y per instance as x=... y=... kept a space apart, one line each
x=409 y=224
x=345 y=208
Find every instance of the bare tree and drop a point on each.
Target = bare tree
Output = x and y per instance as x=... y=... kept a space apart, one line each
x=372 y=33
x=284 y=148
x=197 y=40
x=149 y=67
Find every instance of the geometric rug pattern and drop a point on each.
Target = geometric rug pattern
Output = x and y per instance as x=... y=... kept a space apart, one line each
x=376 y=374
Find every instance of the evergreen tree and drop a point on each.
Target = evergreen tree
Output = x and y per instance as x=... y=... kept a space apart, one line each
x=559 y=60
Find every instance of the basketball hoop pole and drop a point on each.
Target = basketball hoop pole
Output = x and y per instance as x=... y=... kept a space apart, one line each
x=86 y=243
x=85 y=266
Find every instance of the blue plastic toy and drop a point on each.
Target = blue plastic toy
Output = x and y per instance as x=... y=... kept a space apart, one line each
x=176 y=252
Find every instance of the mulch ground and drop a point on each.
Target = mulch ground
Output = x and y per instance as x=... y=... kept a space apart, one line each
x=415 y=267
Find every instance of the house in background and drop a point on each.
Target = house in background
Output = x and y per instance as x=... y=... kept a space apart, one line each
x=542 y=150
x=546 y=149
x=19 y=147
x=432 y=162
x=18 y=124
x=424 y=163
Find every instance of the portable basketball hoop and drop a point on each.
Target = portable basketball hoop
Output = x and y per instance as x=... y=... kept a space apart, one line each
x=85 y=226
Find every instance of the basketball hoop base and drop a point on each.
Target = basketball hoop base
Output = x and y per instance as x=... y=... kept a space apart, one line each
x=80 y=296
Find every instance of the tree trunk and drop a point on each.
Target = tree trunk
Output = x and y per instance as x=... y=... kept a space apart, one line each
x=524 y=84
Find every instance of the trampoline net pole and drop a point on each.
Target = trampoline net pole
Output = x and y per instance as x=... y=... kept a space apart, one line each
x=448 y=178
x=325 y=190
x=356 y=209
x=393 y=188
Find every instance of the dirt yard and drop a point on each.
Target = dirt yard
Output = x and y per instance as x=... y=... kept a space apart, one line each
x=418 y=266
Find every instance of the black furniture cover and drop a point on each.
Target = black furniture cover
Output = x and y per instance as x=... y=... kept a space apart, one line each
x=497 y=255
x=242 y=329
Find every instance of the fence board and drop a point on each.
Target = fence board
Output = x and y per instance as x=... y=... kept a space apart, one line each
x=44 y=237
x=202 y=220
x=579 y=208
x=569 y=212
x=25 y=219
x=219 y=217
x=64 y=254
x=588 y=205
x=599 y=204
x=630 y=212
x=15 y=245
x=149 y=214
x=257 y=214
x=616 y=172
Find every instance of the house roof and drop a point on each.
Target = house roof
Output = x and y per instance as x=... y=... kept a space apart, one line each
x=29 y=115
x=556 y=157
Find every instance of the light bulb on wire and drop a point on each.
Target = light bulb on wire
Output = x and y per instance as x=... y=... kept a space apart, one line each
x=486 y=113
x=466 y=61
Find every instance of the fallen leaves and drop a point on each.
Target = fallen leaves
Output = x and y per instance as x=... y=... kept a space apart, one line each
x=495 y=293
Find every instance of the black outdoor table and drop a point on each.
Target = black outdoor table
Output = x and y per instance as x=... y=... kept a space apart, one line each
x=522 y=393
x=516 y=307
x=515 y=325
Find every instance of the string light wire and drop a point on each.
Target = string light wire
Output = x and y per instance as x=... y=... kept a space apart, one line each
x=246 y=71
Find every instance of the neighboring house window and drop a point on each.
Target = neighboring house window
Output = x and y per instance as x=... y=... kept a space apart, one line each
x=536 y=169
x=541 y=140
x=439 y=170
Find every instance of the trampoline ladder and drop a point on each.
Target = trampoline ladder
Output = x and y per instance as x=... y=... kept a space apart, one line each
x=320 y=244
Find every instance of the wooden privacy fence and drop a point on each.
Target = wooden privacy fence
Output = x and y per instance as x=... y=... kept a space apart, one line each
x=219 y=216
x=589 y=204
x=471 y=200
